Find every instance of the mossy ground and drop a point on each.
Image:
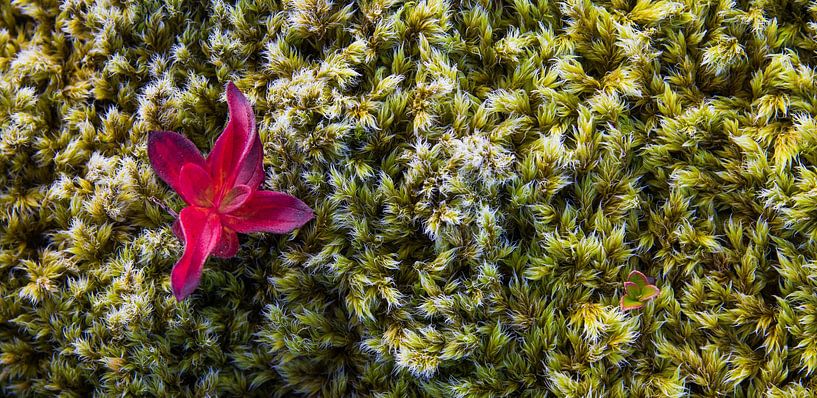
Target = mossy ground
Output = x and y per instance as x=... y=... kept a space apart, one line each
x=485 y=175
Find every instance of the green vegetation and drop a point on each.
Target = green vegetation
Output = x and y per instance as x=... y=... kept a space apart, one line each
x=484 y=174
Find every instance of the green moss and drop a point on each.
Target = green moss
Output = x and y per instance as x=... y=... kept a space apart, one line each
x=485 y=175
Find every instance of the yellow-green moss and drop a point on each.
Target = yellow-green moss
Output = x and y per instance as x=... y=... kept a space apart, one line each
x=485 y=174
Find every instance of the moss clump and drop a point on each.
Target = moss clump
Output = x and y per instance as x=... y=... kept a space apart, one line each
x=485 y=175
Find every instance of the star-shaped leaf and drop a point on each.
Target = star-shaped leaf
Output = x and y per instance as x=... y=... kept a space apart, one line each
x=221 y=191
x=638 y=290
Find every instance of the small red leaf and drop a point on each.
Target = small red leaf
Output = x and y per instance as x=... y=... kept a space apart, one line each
x=221 y=191
x=168 y=152
x=237 y=144
x=251 y=170
x=227 y=245
x=268 y=211
x=202 y=230
x=195 y=186
x=235 y=198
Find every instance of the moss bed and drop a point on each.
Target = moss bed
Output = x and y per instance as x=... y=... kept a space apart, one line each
x=484 y=175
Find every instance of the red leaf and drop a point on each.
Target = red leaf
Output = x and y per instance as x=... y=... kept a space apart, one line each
x=235 y=198
x=268 y=211
x=236 y=156
x=168 y=152
x=202 y=230
x=222 y=193
x=195 y=186
x=227 y=245
x=251 y=172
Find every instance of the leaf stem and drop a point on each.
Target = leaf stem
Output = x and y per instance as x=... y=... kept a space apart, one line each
x=161 y=204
